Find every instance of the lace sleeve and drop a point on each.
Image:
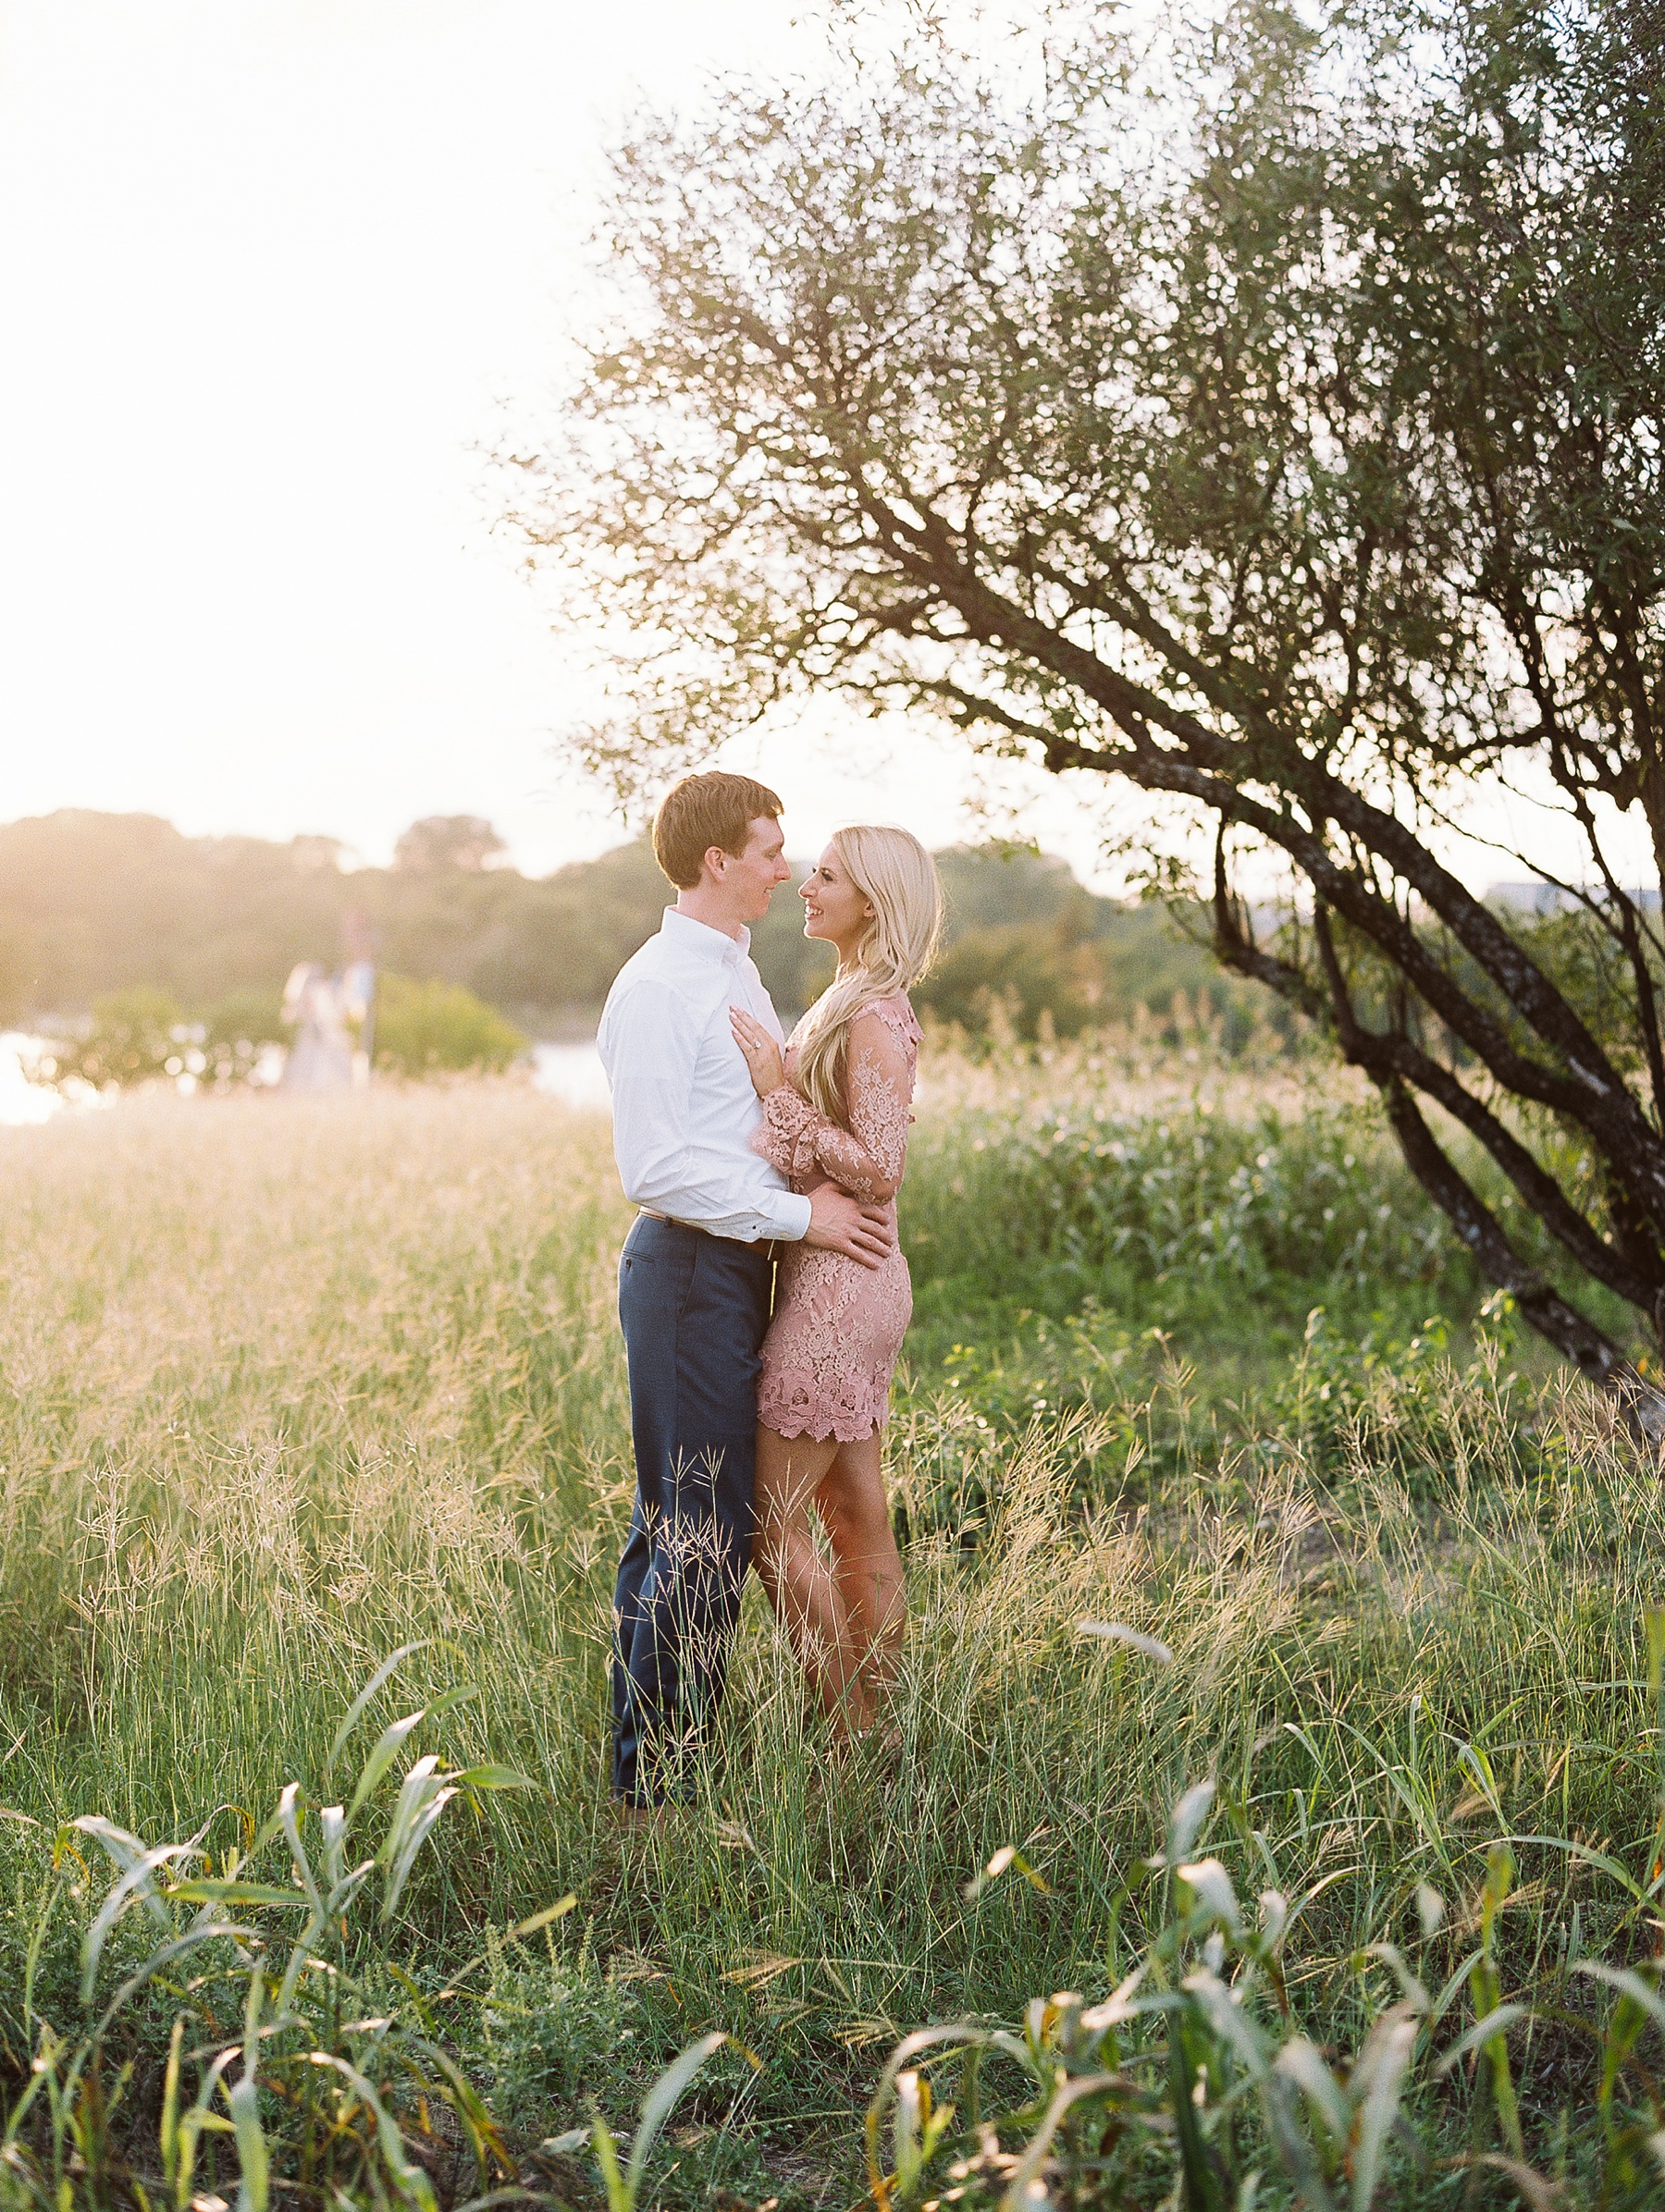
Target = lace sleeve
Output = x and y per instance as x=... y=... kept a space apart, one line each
x=867 y=1157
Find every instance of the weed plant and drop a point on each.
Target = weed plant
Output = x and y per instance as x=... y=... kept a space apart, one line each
x=291 y=1384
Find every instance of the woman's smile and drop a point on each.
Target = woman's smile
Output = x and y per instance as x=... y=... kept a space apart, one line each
x=833 y=908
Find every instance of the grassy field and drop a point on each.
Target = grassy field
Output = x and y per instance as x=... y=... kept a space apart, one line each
x=285 y=1387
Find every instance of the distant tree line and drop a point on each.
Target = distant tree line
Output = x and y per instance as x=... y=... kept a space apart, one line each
x=96 y=907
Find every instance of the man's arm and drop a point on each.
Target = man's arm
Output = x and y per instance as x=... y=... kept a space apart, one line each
x=653 y=1037
x=647 y=1050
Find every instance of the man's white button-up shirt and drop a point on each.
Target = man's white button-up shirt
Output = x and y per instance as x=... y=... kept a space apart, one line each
x=684 y=1106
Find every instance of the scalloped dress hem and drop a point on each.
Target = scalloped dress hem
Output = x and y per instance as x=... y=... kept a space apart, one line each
x=784 y=1424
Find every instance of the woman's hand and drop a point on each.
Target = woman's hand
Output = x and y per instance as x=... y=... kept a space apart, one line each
x=762 y=1053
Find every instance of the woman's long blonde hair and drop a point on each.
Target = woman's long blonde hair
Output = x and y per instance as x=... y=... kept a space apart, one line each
x=898 y=876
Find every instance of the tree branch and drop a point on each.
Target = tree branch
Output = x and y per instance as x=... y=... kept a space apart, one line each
x=1540 y=1304
x=1385 y=1056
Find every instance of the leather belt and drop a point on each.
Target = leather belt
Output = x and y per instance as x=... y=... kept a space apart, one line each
x=768 y=1245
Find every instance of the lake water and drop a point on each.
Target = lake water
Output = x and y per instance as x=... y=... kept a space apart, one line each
x=21 y=1102
x=571 y=1072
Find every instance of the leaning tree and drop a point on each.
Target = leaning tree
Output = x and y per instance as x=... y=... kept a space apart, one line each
x=1273 y=424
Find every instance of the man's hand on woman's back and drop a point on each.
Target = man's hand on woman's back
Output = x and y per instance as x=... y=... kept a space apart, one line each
x=840 y=1223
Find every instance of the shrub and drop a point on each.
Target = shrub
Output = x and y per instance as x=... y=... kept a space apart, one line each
x=435 y=1027
x=1081 y=1191
x=144 y=1035
x=243 y=1020
x=134 y=1034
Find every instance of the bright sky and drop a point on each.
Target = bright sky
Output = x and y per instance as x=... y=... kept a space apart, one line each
x=269 y=271
x=270 y=268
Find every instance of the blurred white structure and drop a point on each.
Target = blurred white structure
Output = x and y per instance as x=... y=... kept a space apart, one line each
x=1542 y=900
x=321 y=1056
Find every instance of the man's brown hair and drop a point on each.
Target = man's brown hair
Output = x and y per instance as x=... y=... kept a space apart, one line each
x=702 y=811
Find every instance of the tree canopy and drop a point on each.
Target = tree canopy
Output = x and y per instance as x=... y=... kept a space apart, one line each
x=97 y=907
x=1271 y=420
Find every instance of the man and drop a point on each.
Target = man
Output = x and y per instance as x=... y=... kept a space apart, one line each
x=695 y=1276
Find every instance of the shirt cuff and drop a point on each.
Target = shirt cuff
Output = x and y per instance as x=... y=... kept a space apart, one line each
x=795 y=1210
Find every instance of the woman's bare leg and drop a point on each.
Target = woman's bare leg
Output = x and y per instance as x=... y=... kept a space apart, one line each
x=866 y=1574
x=801 y=1584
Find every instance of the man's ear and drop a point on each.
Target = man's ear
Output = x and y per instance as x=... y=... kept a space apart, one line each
x=712 y=859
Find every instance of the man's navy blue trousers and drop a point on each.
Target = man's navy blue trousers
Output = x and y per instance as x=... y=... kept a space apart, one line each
x=693 y=1310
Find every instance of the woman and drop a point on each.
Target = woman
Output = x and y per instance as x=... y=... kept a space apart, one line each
x=836 y=1109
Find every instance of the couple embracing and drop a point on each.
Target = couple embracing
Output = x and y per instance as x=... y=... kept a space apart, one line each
x=762 y=1289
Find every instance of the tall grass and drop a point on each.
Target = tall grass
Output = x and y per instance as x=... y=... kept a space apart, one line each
x=288 y=1385
x=1134 y=1196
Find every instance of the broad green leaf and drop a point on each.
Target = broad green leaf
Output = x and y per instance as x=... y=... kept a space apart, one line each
x=490 y=1777
x=289 y=1813
x=205 y=1892
x=1300 y=2062
x=1211 y=1890
x=363 y=1698
x=662 y=2098
x=619 y=2198
x=332 y=1821
x=422 y=1798
x=1227 y=2020
x=381 y=1758
x=1019 y=2193
x=1499 y=2018
x=167 y=2131
x=128 y=1854
x=137 y=1881
x=1622 y=1977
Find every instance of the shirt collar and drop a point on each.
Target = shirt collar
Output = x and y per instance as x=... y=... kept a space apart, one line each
x=702 y=941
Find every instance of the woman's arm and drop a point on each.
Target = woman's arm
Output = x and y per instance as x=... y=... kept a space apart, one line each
x=867 y=1157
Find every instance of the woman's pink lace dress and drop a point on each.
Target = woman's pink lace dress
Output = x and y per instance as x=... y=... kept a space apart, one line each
x=838 y=1326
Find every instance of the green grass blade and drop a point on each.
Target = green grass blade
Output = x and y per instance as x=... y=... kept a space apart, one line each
x=662 y=2100
x=168 y=2133
x=619 y=2196
x=253 y=2158
x=1378 y=2078
x=1300 y=2062
x=1498 y=2019
x=138 y=1882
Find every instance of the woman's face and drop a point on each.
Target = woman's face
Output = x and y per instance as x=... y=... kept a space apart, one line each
x=833 y=908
